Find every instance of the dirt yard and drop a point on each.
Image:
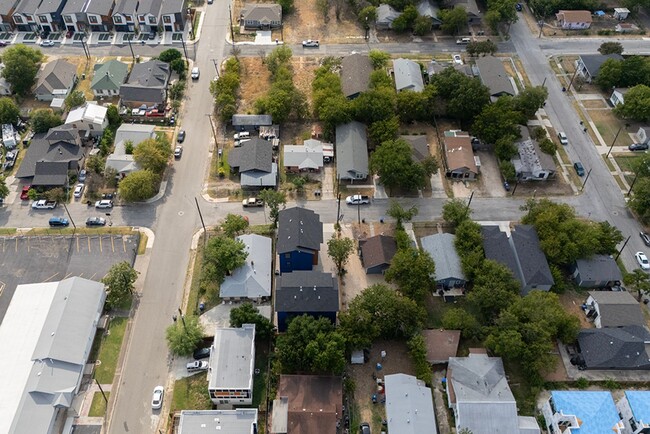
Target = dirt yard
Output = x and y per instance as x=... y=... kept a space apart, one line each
x=572 y=302
x=308 y=22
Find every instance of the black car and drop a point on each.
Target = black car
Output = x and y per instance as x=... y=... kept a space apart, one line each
x=645 y=237
x=638 y=147
x=96 y=221
x=201 y=353
x=364 y=428
x=181 y=136
x=518 y=7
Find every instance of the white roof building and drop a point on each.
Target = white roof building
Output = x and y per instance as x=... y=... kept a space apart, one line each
x=89 y=117
x=409 y=405
x=239 y=421
x=119 y=160
x=44 y=353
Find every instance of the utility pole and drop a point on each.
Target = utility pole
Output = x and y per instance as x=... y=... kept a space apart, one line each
x=471 y=196
x=621 y=251
x=85 y=47
x=359 y=211
x=101 y=390
x=182 y=319
x=614 y=141
x=205 y=231
x=214 y=131
x=636 y=175
x=232 y=33
x=130 y=46
x=338 y=209
x=541 y=27
x=184 y=48
x=572 y=78
x=70 y=217
x=586 y=179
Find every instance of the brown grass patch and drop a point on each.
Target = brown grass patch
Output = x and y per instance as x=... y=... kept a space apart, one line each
x=307 y=22
x=608 y=125
x=593 y=103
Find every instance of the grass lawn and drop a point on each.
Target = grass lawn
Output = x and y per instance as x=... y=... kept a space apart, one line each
x=436 y=308
x=98 y=406
x=191 y=392
x=7 y=231
x=142 y=244
x=109 y=350
x=260 y=381
x=608 y=125
x=83 y=231
x=627 y=163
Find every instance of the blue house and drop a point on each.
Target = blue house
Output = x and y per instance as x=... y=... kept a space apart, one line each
x=306 y=292
x=586 y=412
x=300 y=234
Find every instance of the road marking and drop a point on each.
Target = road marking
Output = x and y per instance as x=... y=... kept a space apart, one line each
x=112 y=244
x=100 y=244
x=88 y=238
x=67 y=275
x=77 y=244
x=51 y=277
x=124 y=244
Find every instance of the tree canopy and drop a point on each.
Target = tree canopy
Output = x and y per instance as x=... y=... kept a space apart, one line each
x=184 y=335
x=637 y=104
x=339 y=249
x=138 y=186
x=75 y=99
x=412 y=270
x=44 y=119
x=453 y=20
x=119 y=283
x=401 y=214
x=153 y=154
x=246 y=313
x=273 y=199
x=9 y=111
x=610 y=48
x=21 y=66
x=233 y=224
x=455 y=211
x=394 y=164
x=4 y=190
x=222 y=256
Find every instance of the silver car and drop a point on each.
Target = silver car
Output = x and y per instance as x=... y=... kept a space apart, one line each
x=157 y=399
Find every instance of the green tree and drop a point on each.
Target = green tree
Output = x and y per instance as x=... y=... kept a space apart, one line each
x=455 y=211
x=75 y=99
x=4 y=190
x=394 y=164
x=610 y=48
x=153 y=154
x=453 y=20
x=138 y=186
x=400 y=214
x=374 y=105
x=635 y=70
x=505 y=148
x=498 y=120
x=639 y=281
x=233 y=224
x=508 y=171
x=246 y=313
x=640 y=201
x=339 y=249
x=222 y=256
x=413 y=271
x=406 y=19
x=529 y=100
x=378 y=58
x=384 y=131
x=504 y=10
x=170 y=55
x=494 y=290
x=412 y=106
x=9 y=111
x=637 y=104
x=179 y=66
x=113 y=115
x=95 y=164
x=177 y=90
x=184 y=335
x=280 y=57
x=422 y=25
x=418 y=351
x=609 y=74
x=462 y=97
x=476 y=48
x=548 y=146
x=367 y=16
x=287 y=6
x=106 y=143
x=273 y=200
x=119 y=282
x=460 y=319
x=44 y=119
x=21 y=66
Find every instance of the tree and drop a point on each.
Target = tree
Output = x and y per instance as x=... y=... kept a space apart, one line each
x=367 y=16
x=383 y=131
x=548 y=146
x=406 y=19
x=460 y=319
x=610 y=48
x=422 y=25
x=396 y=211
x=529 y=100
x=9 y=111
x=44 y=119
x=233 y=224
x=637 y=104
x=75 y=99
x=639 y=281
x=177 y=90
x=170 y=55
x=374 y=105
x=455 y=211
x=178 y=66
x=504 y=12
x=138 y=186
x=273 y=199
x=119 y=284
x=280 y=57
x=640 y=201
x=412 y=106
x=635 y=70
x=609 y=74
x=106 y=143
x=498 y=120
x=222 y=256
x=413 y=271
x=393 y=162
x=153 y=154
x=113 y=115
x=476 y=48
x=4 y=190
x=463 y=97
x=21 y=66
x=418 y=350
x=453 y=20
x=287 y=6
x=184 y=335
x=495 y=288
x=339 y=249
x=246 y=313
x=378 y=58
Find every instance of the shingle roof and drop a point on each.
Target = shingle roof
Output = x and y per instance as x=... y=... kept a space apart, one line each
x=75 y=6
x=386 y=15
x=306 y=291
x=615 y=347
x=409 y=405
x=49 y=6
x=443 y=252
x=459 y=153
x=42 y=150
x=48 y=173
x=251 y=120
x=147 y=82
x=532 y=261
x=253 y=279
x=419 y=147
x=427 y=8
x=408 y=75
x=7 y=5
x=109 y=75
x=599 y=268
x=299 y=228
x=618 y=308
x=27 y=7
x=172 y=7
x=150 y=6
x=574 y=16
x=593 y=62
x=351 y=150
x=355 y=74
x=531 y=157
x=256 y=154
x=261 y=12
x=595 y=409
x=125 y=6
x=99 y=7
x=497 y=248
x=57 y=74
x=259 y=178
x=377 y=250
x=306 y=156
x=494 y=75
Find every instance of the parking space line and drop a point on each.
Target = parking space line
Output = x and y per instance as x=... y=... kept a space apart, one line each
x=51 y=277
x=100 y=244
x=77 y=244
x=88 y=238
x=68 y=275
x=92 y=277
x=112 y=243
x=124 y=244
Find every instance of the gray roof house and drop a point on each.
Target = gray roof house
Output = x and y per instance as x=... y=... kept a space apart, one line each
x=261 y=16
x=149 y=15
x=307 y=157
x=44 y=354
x=24 y=16
x=119 y=160
x=55 y=80
x=173 y=15
x=474 y=15
x=251 y=122
x=588 y=65
x=6 y=9
x=146 y=85
x=237 y=421
x=408 y=75
x=643 y=135
x=355 y=74
x=531 y=163
x=124 y=19
x=419 y=147
x=614 y=348
x=478 y=393
x=377 y=252
x=254 y=162
x=108 y=78
x=449 y=272
x=351 y=151
x=493 y=74
x=251 y=281
x=409 y=405
x=521 y=253
x=385 y=17
x=427 y=8
x=599 y=271
x=613 y=309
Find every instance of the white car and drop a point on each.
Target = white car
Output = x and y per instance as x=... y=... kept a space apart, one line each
x=563 y=138
x=157 y=399
x=178 y=151
x=47 y=43
x=310 y=44
x=78 y=190
x=195 y=73
x=457 y=59
x=357 y=199
x=104 y=204
x=642 y=259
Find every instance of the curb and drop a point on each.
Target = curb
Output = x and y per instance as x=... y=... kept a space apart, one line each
x=161 y=192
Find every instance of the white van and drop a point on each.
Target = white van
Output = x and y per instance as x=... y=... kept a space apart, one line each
x=463 y=41
x=242 y=135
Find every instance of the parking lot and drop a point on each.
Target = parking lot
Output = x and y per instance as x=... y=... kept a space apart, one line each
x=49 y=258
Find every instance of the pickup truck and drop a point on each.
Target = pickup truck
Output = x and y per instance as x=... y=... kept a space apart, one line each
x=357 y=199
x=44 y=204
x=252 y=202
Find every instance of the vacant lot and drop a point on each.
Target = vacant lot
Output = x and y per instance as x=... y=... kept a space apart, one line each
x=308 y=22
x=608 y=125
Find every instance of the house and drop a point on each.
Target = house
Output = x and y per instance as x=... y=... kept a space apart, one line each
x=493 y=75
x=74 y=18
x=355 y=74
x=251 y=281
x=89 y=119
x=427 y=8
x=51 y=156
x=99 y=14
x=119 y=160
x=531 y=163
x=478 y=393
x=460 y=162
x=241 y=420
x=254 y=162
x=377 y=252
x=419 y=147
x=409 y=405
x=44 y=353
x=474 y=15
x=408 y=75
x=308 y=157
x=310 y=293
x=618 y=96
x=351 y=152
x=108 y=78
x=385 y=17
x=55 y=80
x=613 y=309
x=149 y=15
x=232 y=365
x=124 y=15
x=49 y=16
x=308 y=404
x=146 y=85
x=586 y=412
x=626 y=28
x=441 y=345
x=251 y=122
x=573 y=20
x=621 y=13
x=435 y=67
x=619 y=348
x=634 y=408
x=643 y=135
x=24 y=16
x=300 y=234
x=7 y=8
x=588 y=65
x=261 y=16
x=174 y=14
x=599 y=271
x=449 y=272
x=520 y=253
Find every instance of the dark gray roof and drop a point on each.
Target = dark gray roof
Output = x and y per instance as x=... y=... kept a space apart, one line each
x=497 y=248
x=125 y=6
x=593 y=62
x=615 y=347
x=171 y=7
x=351 y=150
x=45 y=151
x=7 y=5
x=494 y=75
x=57 y=74
x=150 y=6
x=306 y=291
x=147 y=82
x=261 y=12
x=251 y=120
x=419 y=146
x=49 y=6
x=599 y=268
x=532 y=261
x=256 y=154
x=299 y=228
x=64 y=133
x=355 y=74
x=377 y=250
x=408 y=75
x=27 y=7
x=618 y=308
x=427 y=8
x=50 y=173
x=99 y=7
x=386 y=15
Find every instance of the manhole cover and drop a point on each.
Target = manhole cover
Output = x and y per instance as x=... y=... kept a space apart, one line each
x=180 y=213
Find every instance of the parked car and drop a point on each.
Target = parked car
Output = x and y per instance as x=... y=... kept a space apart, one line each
x=463 y=41
x=364 y=428
x=242 y=135
x=357 y=199
x=11 y=155
x=310 y=44
x=82 y=175
x=519 y=7
x=180 y=138
x=178 y=151
x=195 y=73
x=24 y=193
x=201 y=353
x=47 y=43
x=44 y=204
x=157 y=399
x=645 y=237
x=252 y=202
x=197 y=365
x=96 y=221
x=104 y=204
x=59 y=222
x=563 y=138
x=580 y=170
x=642 y=259
x=457 y=59
x=638 y=147
x=79 y=190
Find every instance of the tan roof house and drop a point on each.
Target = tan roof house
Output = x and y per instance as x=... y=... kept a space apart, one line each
x=460 y=162
x=573 y=20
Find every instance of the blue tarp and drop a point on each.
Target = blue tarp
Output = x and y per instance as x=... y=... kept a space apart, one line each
x=599 y=13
